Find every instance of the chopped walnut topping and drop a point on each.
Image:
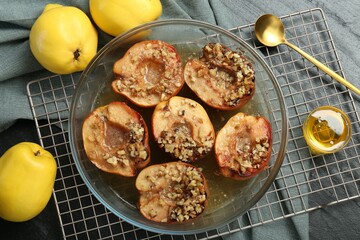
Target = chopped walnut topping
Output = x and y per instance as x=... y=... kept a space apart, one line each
x=230 y=73
x=187 y=101
x=190 y=202
x=112 y=160
x=251 y=156
x=133 y=151
x=186 y=131
x=181 y=145
x=185 y=188
x=136 y=132
x=177 y=192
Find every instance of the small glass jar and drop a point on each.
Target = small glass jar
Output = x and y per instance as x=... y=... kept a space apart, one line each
x=327 y=130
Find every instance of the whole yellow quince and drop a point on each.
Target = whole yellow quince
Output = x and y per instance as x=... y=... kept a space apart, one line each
x=117 y=16
x=63 y=39
x=27 y=176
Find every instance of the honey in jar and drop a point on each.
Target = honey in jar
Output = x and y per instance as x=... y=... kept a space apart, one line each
x=327 y=130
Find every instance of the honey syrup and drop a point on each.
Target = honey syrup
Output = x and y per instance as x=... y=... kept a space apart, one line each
x=327 y=130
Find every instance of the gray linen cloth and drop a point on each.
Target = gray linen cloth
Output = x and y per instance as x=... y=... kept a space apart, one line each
x=18 y=67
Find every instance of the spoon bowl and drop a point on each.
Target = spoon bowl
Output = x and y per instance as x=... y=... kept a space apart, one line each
x=270 y=31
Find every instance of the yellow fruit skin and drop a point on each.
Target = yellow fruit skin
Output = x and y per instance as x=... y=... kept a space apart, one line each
x=58 y=34
x=118 y=16
x=27 y=176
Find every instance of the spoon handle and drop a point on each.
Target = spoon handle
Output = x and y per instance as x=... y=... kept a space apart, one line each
x=324 y=68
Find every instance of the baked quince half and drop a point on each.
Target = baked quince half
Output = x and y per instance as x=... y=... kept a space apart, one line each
x=243 y=146
x=182 y=128
x=222 y=78
x=150 y=72
x=116 y=139
x=171 y=192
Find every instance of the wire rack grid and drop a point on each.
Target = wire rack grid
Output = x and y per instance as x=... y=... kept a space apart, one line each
x=305 y=182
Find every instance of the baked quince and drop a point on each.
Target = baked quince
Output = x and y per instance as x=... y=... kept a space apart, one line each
x=171 y=192
x=116 y=139
x=222 y=78
x=243 y=146
x=182 y=128
x=149 y=72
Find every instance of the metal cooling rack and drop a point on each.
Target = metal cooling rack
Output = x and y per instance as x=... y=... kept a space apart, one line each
x=304 y=183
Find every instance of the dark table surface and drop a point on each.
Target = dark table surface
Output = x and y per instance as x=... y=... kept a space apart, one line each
x=44 y=226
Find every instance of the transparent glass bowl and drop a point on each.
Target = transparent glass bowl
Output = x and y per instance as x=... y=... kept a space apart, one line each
x=229 y=199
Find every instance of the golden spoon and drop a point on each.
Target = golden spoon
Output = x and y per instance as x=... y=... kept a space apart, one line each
x=269 y=30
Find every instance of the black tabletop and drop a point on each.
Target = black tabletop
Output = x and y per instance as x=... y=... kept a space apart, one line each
x=44 y=226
